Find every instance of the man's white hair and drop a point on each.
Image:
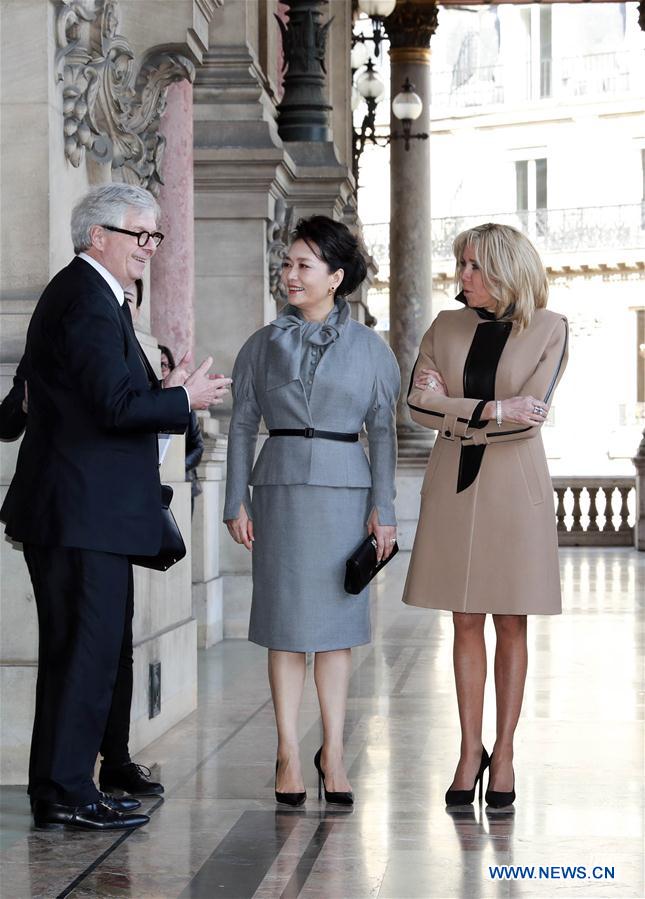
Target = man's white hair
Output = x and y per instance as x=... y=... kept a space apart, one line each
x=107 y=205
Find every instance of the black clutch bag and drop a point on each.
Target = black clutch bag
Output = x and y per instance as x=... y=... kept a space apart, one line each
x=362 y=566
x=172 y=547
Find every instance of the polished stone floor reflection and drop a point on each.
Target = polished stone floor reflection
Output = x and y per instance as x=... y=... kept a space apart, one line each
x=578 y=819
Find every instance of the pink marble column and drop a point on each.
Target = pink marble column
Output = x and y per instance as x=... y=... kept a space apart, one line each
x=172 y=277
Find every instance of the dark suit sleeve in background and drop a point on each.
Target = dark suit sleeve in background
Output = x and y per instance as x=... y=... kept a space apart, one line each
x=12 y=417
x=194 y=443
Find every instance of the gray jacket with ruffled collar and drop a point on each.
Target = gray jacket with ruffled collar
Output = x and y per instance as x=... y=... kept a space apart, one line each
x=356 y=385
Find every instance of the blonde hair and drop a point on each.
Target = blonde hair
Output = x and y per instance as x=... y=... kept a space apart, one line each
x=511 y=268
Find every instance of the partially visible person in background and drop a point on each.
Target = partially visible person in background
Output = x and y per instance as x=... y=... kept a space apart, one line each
x=13 y=409
x=194 y=439
x=134 y=297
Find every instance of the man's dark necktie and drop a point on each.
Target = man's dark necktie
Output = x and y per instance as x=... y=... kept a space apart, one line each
x=127 y=315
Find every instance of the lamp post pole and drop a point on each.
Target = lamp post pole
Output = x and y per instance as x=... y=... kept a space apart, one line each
x=410 y=28
x=303 y=114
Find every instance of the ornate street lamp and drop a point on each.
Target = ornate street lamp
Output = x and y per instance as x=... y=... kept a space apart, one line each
x=369 y=84
x=407 y=106
x=370 y=88
x=377 y=10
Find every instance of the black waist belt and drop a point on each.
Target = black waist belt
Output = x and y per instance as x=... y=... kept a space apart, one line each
x=311 y=432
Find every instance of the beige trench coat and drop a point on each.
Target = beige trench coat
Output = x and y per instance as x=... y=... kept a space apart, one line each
x=486 y=539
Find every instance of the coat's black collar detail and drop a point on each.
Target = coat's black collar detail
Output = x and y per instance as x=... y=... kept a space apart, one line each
x=485 y=313
x=480 y=370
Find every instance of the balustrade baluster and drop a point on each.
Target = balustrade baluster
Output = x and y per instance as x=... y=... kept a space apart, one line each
x=560 y=513
x=608 y=526
x=593 y=509
x=624 y=510
x=577 y=512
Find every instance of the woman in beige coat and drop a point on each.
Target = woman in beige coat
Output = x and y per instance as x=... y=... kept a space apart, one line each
x=486 y=541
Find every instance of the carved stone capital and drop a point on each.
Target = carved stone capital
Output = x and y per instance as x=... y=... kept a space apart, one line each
x=278 y=232
x=412 y=24
x=111 y=106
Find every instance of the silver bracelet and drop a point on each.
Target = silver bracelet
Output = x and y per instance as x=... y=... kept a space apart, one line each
x=498 y=413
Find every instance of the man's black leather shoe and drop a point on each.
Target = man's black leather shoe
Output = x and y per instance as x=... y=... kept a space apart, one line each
x=134 y=779
x=95 y=816
x=118 y=803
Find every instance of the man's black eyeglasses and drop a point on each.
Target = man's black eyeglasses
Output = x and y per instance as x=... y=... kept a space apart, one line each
x=142 y=236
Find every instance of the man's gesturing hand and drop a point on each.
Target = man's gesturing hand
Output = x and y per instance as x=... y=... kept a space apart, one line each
x=206 y=390
x=180 y=373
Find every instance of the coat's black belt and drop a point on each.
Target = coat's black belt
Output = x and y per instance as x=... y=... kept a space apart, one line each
x=311 y=432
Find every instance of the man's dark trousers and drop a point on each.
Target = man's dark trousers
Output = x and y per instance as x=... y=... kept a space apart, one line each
x=114 y=747
x=82 y=597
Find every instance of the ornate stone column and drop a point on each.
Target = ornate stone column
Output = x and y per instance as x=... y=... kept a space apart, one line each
x=410 y=28
x=303 y=113
x=173 y=268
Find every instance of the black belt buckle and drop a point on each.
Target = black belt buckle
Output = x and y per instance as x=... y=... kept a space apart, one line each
x=309 y=432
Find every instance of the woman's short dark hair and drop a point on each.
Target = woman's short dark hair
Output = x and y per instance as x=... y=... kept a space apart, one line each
x=169 y=356
x=337 y=246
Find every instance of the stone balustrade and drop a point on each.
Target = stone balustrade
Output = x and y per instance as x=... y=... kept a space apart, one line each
x=594 y=510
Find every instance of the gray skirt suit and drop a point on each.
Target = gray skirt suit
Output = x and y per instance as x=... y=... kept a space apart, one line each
x=311 y=497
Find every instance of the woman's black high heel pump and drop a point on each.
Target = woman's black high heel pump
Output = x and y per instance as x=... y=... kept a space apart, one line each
x=289 y=798
x=500 y=798
x=465 y=797
x=339 y=798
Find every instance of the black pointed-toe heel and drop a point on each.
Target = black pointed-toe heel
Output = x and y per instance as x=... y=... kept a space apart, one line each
x=500 y=798
x=465 y=797
x=294 y=799
x=346 y=798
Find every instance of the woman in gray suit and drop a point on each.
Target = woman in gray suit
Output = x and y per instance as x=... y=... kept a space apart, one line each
x=316 y=377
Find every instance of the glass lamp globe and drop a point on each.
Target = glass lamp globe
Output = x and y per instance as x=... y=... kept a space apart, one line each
x=356 y=99
x=359 y=55
x=369 y=85
x=407 y=104
x=377 y=8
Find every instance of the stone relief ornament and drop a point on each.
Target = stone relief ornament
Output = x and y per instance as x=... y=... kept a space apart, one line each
x=278 y=232
x=111 y=106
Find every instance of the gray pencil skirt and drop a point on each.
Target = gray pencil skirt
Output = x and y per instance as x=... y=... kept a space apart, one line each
x=303 y=537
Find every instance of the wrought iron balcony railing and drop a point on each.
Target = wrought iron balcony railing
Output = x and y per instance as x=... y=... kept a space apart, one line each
x=585 y=228
x=595 y=75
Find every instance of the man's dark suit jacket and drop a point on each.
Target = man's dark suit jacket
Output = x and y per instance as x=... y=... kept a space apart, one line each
x=87 y=473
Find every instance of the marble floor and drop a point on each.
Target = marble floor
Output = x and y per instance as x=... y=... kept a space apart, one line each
x=577 y=826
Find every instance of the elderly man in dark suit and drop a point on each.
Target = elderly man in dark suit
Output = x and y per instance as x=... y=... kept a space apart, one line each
x=86 y=493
